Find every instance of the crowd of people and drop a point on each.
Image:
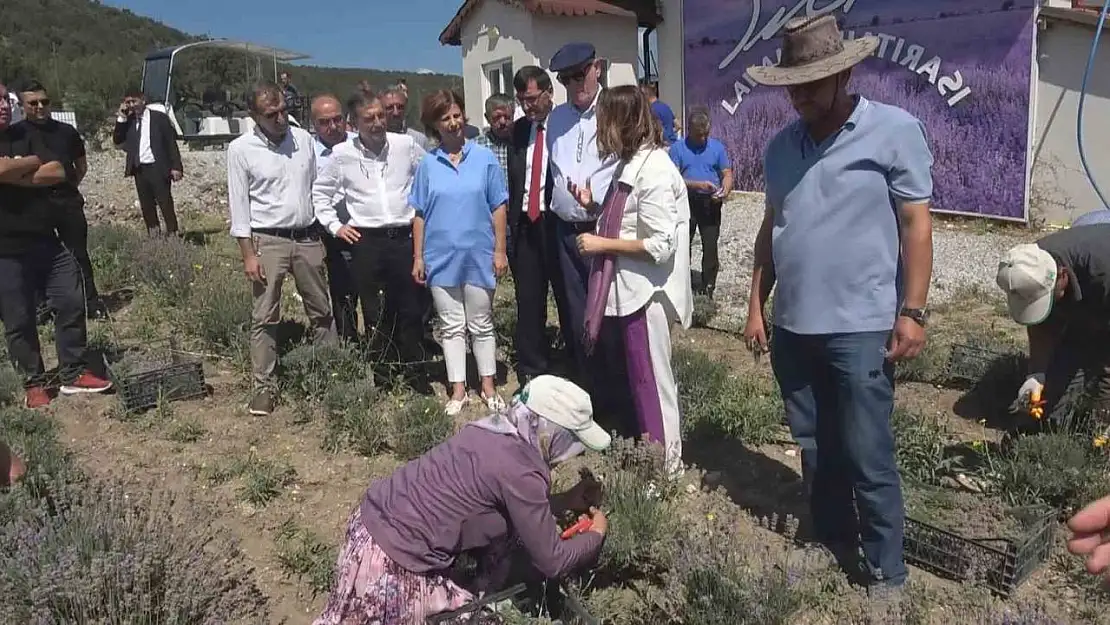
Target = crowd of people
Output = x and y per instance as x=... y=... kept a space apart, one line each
x=597 y=200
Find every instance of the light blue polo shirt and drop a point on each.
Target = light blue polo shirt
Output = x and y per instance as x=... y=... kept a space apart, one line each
x=703 y=163
x=836 y=236
x=456 y=205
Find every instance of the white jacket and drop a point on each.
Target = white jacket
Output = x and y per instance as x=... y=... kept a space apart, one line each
x=658 y=213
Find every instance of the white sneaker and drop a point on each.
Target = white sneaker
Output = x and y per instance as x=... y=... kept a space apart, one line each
x=454 y=407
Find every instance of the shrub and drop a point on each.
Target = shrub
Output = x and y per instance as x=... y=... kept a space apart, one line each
x=11 y=386
x=705 y=309
x=1059 y=469
x=920 y=445
x=354 y=418
x=107 y=555
x=716 y=402
x=34 y=437
x=310 y=370
x=929 y=367
x=419 y=424
x=167 y=266
x=112 y=248
x=306 y=556
x=220 y=313
x=641 y=526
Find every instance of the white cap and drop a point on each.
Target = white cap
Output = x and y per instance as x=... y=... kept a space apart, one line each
x=564 y=403
x=1028 y=275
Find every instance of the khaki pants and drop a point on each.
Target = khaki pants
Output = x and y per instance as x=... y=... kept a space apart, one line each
x=279 y=257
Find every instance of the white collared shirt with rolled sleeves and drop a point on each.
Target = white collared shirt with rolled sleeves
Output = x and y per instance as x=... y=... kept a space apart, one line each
x=268 y=185
x=572 y=146
x=375 y=187
x=656 y=212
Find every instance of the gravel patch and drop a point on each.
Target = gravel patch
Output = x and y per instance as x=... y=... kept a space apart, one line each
x=964 y=256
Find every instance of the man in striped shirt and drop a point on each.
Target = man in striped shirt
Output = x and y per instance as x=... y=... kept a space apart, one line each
x=498 y=136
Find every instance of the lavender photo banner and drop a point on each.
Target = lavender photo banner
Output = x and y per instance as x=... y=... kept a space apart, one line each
x=963 y=67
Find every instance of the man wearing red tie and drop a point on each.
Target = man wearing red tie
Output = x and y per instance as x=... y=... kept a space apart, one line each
x=532 y=252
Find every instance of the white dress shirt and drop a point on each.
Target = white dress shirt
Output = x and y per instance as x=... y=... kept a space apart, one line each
x=658 y=213
x=323 y=157
x=268 y=185
x=375 y=187
x=545 y=157
x=572 y=145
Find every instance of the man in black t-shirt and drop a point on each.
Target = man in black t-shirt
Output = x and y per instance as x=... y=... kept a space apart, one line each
x=1059 y=288
x=66 y=143
x=33 y=259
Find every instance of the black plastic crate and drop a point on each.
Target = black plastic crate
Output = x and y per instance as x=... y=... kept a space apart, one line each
x=564 y=607
x=999 y=564
x=968 y=365
x=166 y=375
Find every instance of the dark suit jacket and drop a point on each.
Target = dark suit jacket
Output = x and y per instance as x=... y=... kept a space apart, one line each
x=518 y=172
x=163 y=142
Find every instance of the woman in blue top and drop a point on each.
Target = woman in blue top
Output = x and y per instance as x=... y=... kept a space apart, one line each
x=459 y=196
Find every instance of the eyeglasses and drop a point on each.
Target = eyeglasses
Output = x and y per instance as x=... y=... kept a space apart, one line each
x=529 y=100
x=577 y=76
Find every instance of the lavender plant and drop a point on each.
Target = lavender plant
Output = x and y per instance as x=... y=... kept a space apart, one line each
x=110 y=555
x=717 y=402
x=167 y=266
x=418 y=424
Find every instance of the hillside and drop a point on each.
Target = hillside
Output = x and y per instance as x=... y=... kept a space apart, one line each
x=89 y=54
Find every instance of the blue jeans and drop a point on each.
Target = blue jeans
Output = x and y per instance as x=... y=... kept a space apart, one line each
x=839 y=394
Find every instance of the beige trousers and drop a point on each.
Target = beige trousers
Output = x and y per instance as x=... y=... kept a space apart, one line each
x=279 y=257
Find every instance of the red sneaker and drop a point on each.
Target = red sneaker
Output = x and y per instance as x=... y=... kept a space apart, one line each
x=86 y=383
x=37 y=397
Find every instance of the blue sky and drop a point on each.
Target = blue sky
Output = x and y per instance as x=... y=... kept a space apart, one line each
x=378 y=34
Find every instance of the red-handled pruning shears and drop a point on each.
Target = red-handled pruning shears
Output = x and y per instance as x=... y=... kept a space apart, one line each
x=582 y=525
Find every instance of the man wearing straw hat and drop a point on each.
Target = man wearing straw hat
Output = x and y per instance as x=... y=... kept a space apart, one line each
x=847 y=236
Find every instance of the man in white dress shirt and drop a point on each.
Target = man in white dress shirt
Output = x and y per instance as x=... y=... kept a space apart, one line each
x=269 y=183
x=373 y=174
x=574 y=160
x=331 y=130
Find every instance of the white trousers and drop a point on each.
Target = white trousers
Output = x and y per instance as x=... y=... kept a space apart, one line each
x=647 y=336
x=462 y=310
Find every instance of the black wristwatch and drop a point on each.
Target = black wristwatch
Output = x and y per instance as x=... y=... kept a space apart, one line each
x=920 y=315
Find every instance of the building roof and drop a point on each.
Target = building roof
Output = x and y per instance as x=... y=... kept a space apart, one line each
x=646 y=12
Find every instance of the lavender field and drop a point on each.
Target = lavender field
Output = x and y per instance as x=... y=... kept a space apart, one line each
x=980 y=143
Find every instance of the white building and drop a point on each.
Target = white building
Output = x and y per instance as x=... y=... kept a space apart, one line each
x=498 y=37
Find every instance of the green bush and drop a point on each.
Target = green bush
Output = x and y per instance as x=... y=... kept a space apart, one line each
x=419 y=423
x=168 y=267
x=642 y=523
x=310 y=370
x=219 y=312
x=920 y=444
x=11 y=386
x=716 y=402
x=306 y=556
x=705 y=309
x=112 y=250
x=1060 y=469
x=355 y=420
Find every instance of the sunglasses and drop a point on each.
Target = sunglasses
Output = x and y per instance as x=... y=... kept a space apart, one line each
x=37 y=103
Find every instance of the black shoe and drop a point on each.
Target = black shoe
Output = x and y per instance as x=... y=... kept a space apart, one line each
x=262 y=404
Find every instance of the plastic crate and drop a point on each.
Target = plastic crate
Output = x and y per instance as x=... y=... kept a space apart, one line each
x=174 y=377
x=565 y=608
x=969 y=364
x=999 y=564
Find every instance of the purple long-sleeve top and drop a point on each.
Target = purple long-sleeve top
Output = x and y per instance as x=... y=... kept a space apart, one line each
x=475 y=489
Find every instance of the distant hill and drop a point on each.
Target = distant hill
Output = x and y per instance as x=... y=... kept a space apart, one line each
x=88 y=54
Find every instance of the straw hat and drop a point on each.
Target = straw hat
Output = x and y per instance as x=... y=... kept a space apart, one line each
x=812 y=49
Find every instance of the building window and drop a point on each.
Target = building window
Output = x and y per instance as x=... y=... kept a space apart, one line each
x=499 y=77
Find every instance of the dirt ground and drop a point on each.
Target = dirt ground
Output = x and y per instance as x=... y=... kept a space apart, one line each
x=149 y=454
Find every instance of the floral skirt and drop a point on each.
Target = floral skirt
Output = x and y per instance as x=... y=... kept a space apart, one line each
x=372 y=589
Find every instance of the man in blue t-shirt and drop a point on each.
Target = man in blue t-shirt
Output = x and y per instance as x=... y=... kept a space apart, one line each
x=662 y=112
x=704 y=165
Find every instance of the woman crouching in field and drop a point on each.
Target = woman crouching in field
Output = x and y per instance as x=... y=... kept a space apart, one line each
x=640 y=272
x=487 y=488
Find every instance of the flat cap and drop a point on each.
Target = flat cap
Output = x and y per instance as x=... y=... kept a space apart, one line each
x=572 y=55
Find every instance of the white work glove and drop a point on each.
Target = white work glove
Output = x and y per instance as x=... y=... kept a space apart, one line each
x=1033 y=384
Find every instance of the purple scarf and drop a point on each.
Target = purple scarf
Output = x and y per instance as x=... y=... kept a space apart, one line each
x=603 y=266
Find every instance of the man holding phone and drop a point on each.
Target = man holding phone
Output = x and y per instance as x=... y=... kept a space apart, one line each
x=150 y=141
x=704 y=165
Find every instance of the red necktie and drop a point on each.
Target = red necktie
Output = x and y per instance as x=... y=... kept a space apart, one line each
x=534 y=188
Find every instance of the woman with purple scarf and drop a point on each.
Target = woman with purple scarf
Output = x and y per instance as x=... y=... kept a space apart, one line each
x=640 y=266
x=484 y=490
